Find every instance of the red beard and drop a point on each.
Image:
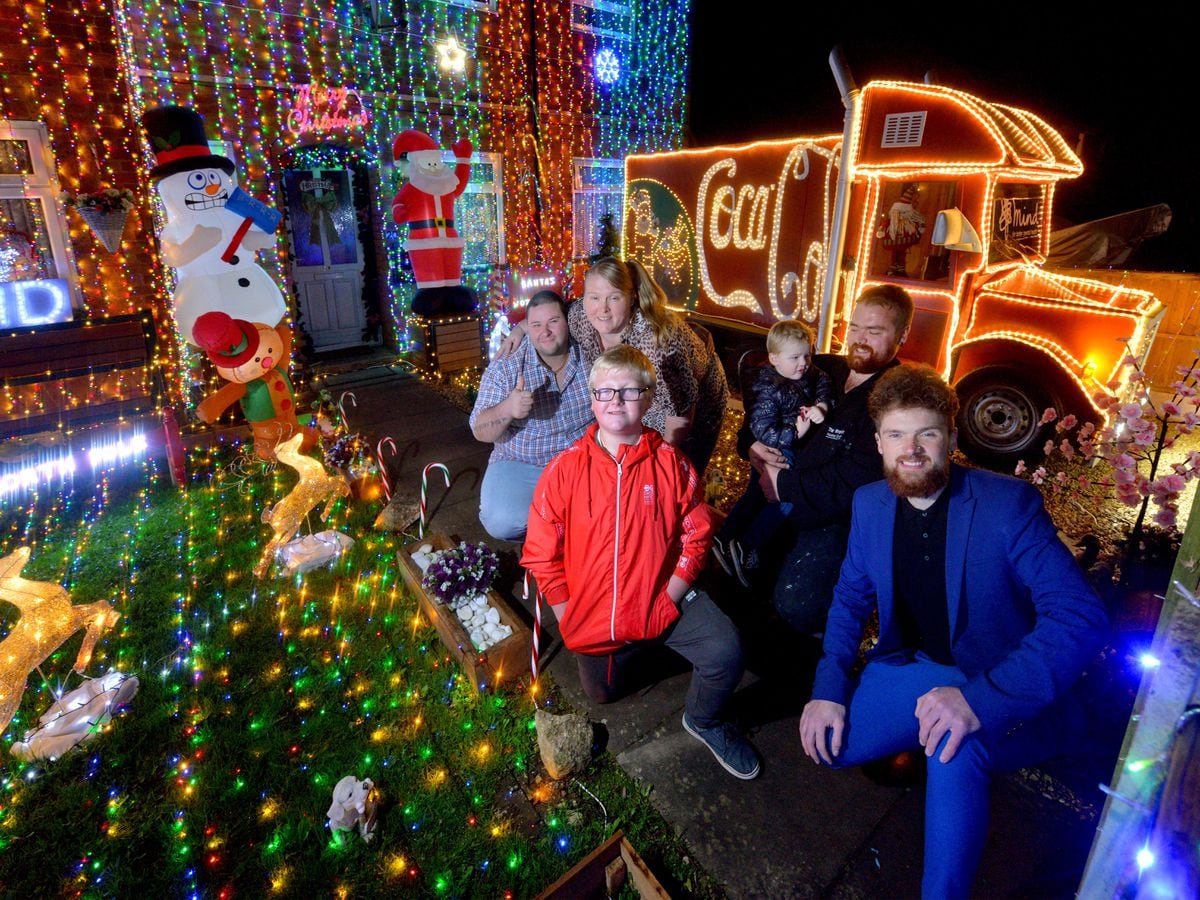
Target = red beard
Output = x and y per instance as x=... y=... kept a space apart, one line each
x=926 y=483
x=434 y=185
x=865 y=365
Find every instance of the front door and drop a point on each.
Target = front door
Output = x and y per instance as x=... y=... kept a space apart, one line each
x=328 y=260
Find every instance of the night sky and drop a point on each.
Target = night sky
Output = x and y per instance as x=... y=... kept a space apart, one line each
x=1128 y=87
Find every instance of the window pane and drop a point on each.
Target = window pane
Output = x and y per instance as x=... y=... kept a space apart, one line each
x=25 y=252
x=14 y=158
x=902 y=246
x=589 y=207
x=477 y=221
x=1017 y=222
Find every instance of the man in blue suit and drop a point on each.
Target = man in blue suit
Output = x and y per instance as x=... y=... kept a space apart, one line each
x=985 y=624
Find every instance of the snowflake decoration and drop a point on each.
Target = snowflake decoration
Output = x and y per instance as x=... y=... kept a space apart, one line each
x=608 y=66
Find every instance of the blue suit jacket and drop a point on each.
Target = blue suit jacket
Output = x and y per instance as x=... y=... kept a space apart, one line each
x=1024 y=622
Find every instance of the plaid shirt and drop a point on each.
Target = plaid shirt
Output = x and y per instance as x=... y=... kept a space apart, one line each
x=556 y=421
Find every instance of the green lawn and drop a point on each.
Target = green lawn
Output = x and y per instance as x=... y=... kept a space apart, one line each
x=256 y=697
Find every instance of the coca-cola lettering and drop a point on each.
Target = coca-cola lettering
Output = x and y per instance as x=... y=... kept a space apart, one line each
x=749 y=217
x=320 y=108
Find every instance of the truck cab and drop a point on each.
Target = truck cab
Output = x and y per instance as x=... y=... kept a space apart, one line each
x=929 y=188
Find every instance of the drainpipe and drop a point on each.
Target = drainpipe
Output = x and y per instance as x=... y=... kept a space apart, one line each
x=841 y=200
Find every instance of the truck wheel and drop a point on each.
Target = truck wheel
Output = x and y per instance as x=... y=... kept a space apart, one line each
x=998 y=418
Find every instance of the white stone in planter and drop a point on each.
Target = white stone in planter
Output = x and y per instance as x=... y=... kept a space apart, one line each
x=493 y=615
x=421 y=557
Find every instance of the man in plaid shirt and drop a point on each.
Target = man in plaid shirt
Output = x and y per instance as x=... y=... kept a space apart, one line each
x=532 y=405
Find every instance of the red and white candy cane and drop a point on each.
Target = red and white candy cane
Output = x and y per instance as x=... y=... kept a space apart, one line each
x=383 y=475
x=425 y=490
x=342 y=406
x=537 y=627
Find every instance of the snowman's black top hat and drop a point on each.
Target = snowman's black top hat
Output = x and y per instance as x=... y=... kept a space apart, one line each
x=180 y=145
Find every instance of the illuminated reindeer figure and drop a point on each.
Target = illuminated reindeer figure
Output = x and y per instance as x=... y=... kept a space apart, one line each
x=286 y=515
x=47 y=619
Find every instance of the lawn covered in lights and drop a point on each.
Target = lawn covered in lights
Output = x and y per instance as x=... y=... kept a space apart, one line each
x=256 y=696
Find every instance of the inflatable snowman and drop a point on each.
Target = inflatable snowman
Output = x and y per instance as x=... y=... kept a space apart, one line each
x=212 y=248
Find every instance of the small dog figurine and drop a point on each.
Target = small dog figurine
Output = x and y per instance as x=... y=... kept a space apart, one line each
x=355 y=804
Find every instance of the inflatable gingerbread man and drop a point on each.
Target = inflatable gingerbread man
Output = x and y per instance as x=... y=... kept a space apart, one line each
x=253 y=358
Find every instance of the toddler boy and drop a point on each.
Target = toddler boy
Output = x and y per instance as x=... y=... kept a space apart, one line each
x=785 y=399
x=618 y=531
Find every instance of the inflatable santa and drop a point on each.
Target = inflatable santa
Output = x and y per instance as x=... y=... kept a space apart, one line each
x=426 y=204
x=211 y=248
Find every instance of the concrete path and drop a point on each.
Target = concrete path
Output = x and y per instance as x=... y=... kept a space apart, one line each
x=797 y=830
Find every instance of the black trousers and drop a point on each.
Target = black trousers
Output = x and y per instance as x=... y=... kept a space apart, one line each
x=703 y=635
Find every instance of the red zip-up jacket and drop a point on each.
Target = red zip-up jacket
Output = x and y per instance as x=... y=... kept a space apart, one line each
x=606 y=535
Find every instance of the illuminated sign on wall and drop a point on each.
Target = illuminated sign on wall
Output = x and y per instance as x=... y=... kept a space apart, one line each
x=1018 y=218
x=735 y=232
x=41 y=301
x=319 y=108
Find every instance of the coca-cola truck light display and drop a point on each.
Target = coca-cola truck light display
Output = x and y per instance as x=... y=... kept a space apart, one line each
x=940 y=192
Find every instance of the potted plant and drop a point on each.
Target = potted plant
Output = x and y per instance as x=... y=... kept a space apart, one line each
x=460 y=574
x=1123 y=461
x=105 y=211
x=351 y=455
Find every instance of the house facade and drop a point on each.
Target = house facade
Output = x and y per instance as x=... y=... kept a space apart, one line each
x=306 y=96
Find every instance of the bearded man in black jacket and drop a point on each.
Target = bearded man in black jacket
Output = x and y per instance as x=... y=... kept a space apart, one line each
x=839 y=457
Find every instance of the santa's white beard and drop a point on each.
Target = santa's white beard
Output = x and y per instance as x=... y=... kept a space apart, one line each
x=435 y=185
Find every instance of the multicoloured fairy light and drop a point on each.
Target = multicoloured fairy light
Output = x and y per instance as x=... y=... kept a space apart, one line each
x=247 y=678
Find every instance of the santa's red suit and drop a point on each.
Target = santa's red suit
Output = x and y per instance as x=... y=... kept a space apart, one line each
x=426 y=203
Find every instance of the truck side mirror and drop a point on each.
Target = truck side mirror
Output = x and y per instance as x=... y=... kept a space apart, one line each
x=952 y=231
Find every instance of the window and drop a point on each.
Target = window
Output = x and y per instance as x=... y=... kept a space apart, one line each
x=37 y=278
x=611 y=19
x=1018 y=222
x=479 y=212
x=481 y=5
x=907 y=211
x=598 y=192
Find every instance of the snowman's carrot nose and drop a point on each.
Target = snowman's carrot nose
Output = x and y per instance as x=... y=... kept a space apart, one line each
x=212 y=189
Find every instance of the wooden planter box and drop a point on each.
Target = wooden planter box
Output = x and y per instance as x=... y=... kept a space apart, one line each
x=602 y=873
x=452 y=342
x=499 y=664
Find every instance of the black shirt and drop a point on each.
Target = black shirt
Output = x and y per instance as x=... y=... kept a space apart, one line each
x=919 y=577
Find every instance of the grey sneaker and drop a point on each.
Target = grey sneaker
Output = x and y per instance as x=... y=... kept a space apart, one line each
x=744 y=564
x=732 y=751
x=722 y=555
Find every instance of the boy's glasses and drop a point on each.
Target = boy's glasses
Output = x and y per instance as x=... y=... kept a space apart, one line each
x=627 y=394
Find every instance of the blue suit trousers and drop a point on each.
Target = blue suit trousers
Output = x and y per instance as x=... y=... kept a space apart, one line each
x=881 y=721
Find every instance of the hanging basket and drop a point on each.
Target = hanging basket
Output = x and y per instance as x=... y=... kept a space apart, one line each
x=108 y=226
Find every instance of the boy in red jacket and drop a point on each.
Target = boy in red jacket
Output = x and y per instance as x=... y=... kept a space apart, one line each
x=618 y=531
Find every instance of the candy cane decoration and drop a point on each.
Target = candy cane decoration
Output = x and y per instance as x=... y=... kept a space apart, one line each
x=425 y=489
x=383 y=475
x=537 y=627
x=342 y=406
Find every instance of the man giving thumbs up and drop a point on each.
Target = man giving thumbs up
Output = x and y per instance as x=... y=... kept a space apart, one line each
x=532 y=404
